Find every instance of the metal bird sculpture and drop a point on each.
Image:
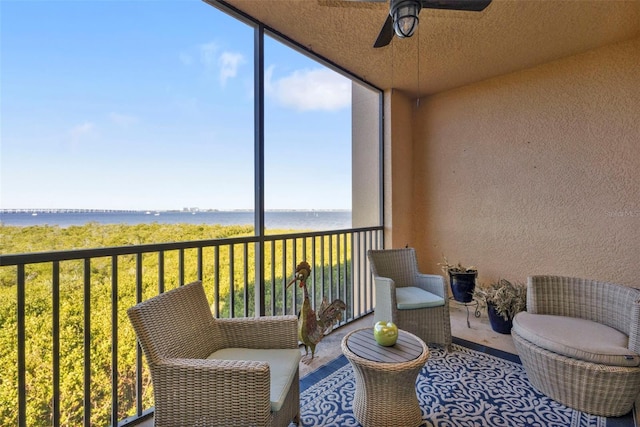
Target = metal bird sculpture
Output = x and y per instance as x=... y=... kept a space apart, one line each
x=311 y=326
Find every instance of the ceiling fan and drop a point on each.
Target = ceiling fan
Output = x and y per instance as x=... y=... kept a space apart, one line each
x=403 y=15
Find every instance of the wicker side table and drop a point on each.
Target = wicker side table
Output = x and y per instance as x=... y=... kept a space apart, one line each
x=385 y=378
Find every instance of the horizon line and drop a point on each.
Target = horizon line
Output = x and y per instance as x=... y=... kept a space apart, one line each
x=185 y=210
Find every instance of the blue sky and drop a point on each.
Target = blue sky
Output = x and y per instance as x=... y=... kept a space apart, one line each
x=149 y=105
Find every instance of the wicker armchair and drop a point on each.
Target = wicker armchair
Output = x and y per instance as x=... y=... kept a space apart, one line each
x=414 y=301
x=579 y=342
x=209 y=372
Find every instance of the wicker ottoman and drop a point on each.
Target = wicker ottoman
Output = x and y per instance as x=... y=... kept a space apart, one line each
x=385 y=378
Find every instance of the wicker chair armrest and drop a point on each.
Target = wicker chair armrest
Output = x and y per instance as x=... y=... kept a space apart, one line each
x=217 y=390
x=386 y=301
x=433 y=283
x=634 y=332
x=260 y=332
x=385 y=288
x=214 y=367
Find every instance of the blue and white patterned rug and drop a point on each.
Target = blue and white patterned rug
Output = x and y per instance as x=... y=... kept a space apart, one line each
x=462 y=388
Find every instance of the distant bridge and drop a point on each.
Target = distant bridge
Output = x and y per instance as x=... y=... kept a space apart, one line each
x=10 y=211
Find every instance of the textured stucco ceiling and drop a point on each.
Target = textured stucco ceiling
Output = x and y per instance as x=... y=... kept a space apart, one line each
x=454 y=48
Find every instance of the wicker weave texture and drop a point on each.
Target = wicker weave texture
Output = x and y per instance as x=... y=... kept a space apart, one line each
x=177 y=331
x=607 y=303
x=393 y=268
x=385 y=392
x=589 y=387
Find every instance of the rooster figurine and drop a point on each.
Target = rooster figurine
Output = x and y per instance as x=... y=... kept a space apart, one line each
x=311 y=326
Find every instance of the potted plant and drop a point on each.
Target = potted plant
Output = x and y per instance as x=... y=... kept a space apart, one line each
x=503 y=300
x=461 y=279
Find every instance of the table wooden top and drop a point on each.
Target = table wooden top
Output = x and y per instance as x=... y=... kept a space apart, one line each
x=363 y=344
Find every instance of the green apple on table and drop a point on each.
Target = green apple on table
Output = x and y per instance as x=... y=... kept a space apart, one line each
x=385 y=333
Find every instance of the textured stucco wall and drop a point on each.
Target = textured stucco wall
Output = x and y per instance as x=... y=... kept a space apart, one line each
x=535 y=172
x=398 y=170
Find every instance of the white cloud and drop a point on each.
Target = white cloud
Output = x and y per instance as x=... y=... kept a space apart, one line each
x=185 y=58
x=224 y=64
x=80 y=131
x=229 y=63
x=307 y=90
x=122 y=119
x=208 y=53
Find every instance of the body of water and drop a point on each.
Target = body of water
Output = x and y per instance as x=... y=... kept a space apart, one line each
x=289 y=220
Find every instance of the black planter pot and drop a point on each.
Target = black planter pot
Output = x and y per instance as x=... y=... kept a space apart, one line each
x=498 y=323
x=462 y=285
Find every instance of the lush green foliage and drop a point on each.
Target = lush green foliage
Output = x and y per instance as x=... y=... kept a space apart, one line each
x=231 y=292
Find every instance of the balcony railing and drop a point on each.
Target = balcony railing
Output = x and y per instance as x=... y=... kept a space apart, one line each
x=76 y=360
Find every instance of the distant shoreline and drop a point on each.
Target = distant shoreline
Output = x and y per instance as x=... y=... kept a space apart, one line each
x=274 y=219
x=184 y=210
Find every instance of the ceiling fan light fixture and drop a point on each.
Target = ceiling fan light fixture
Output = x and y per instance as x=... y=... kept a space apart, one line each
x=405 y=17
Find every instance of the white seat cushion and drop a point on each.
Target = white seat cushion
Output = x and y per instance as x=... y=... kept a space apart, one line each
x=577 y=338
x=283 y=365
x=410 y=297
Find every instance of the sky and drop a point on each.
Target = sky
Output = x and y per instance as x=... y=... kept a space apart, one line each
x=149 y=104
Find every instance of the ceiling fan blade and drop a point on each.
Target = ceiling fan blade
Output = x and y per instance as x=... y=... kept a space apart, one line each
x=386 y=33
x=468 y=5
